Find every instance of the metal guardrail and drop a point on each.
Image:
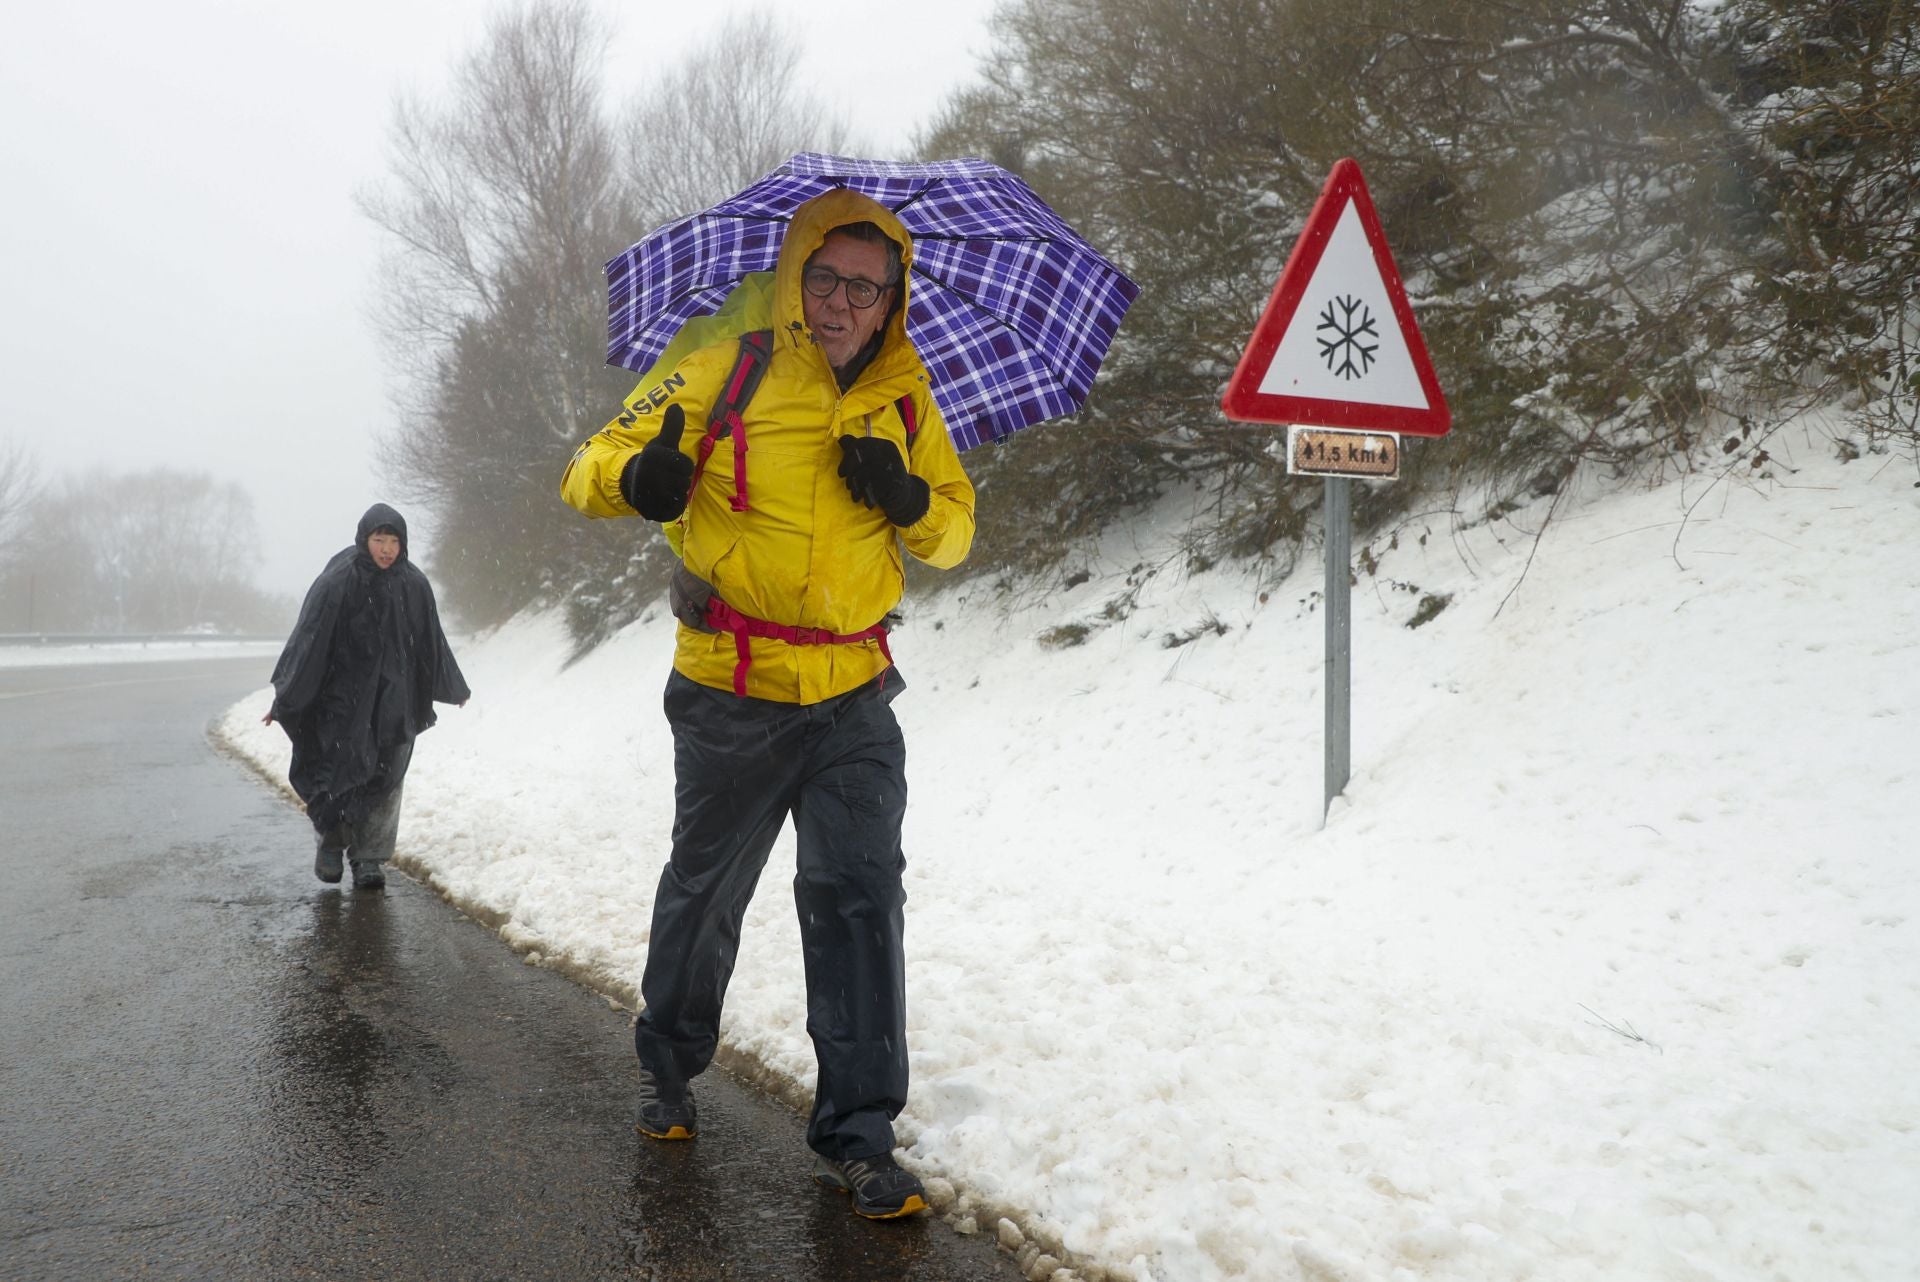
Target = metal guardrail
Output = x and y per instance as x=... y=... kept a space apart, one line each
x=131 y=638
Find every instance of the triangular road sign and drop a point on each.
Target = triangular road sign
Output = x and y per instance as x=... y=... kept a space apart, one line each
x=1337 y=345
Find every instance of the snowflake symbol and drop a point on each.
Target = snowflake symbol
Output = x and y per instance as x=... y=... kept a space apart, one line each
x=1340 y=351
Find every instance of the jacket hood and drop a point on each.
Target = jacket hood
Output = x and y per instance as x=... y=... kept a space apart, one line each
x=376 y=516
x=811 y=224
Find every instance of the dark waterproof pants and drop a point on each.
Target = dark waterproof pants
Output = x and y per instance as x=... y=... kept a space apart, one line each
x=741 y=767
x=365 y=822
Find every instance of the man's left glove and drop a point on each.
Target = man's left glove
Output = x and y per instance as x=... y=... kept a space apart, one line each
x=877 y=476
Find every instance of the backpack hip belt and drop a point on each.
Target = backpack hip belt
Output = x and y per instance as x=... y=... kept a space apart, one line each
x=722 y=617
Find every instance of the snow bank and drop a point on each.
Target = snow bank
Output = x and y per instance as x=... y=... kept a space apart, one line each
x=1607 y=966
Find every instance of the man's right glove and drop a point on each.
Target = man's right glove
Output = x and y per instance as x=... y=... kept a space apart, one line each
x=877 y=476
x=655 y=481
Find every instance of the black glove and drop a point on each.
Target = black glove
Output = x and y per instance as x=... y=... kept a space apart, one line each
x=656 y=480
x=687 y=595
x=877 y=476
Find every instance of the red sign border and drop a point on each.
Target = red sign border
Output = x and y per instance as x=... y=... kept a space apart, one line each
x=1244 y=401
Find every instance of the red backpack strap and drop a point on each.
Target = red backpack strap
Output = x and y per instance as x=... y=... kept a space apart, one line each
x=749 y=367
x=909 y=418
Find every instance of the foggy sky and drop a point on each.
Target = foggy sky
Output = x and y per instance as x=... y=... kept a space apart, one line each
x=185 y=280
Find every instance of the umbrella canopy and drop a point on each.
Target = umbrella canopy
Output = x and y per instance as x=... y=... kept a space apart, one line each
x=1010 y=309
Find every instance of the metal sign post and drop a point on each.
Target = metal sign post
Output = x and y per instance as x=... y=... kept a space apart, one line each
x=1338 y=454
x=1339 y=732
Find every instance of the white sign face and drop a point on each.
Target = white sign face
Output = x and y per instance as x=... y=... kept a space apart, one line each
x=1343 y=343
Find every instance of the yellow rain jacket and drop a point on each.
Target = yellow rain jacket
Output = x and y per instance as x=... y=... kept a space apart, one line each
x=804 y=554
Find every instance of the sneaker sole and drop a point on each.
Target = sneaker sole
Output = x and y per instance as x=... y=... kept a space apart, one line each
x=912 y=1206
x=671 y=1133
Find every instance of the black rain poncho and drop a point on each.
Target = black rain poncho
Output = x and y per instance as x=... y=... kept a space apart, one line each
x=361 y=672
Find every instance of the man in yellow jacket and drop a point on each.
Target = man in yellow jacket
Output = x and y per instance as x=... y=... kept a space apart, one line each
x=794 y=519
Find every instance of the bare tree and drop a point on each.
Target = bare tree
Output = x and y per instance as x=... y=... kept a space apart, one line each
x=19 y=584
x=1697 y=214
x=503 y=205
x=709 y=126
x=176 y=544
x=1626 y=225
x=510 y=185
x=19 y=483
x=1184 y=138
x=173 y=551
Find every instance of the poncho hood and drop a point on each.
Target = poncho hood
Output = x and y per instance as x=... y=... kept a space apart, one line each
x=379 y=517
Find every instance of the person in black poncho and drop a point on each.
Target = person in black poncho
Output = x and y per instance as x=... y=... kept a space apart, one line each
x=354 y=686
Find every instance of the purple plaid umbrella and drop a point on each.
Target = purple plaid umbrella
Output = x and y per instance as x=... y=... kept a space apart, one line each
x=1010 y=309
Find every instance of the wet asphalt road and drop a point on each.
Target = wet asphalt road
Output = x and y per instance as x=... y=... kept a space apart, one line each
x=214 y=1066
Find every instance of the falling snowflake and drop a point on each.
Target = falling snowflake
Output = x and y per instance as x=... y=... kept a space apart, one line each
x=1350 y=334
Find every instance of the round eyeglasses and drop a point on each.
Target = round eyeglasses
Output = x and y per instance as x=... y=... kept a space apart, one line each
x=822 y=281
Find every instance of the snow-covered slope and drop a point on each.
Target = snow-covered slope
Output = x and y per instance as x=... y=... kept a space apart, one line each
x=1606 y=967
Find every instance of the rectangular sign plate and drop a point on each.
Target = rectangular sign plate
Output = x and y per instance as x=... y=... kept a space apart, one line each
x=1328 y=451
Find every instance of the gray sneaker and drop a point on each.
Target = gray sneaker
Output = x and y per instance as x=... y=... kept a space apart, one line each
x=666 y=1109
x=881 y=1189
x=368 y=876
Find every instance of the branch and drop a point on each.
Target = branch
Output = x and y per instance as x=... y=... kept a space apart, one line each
x=1622 y=1029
